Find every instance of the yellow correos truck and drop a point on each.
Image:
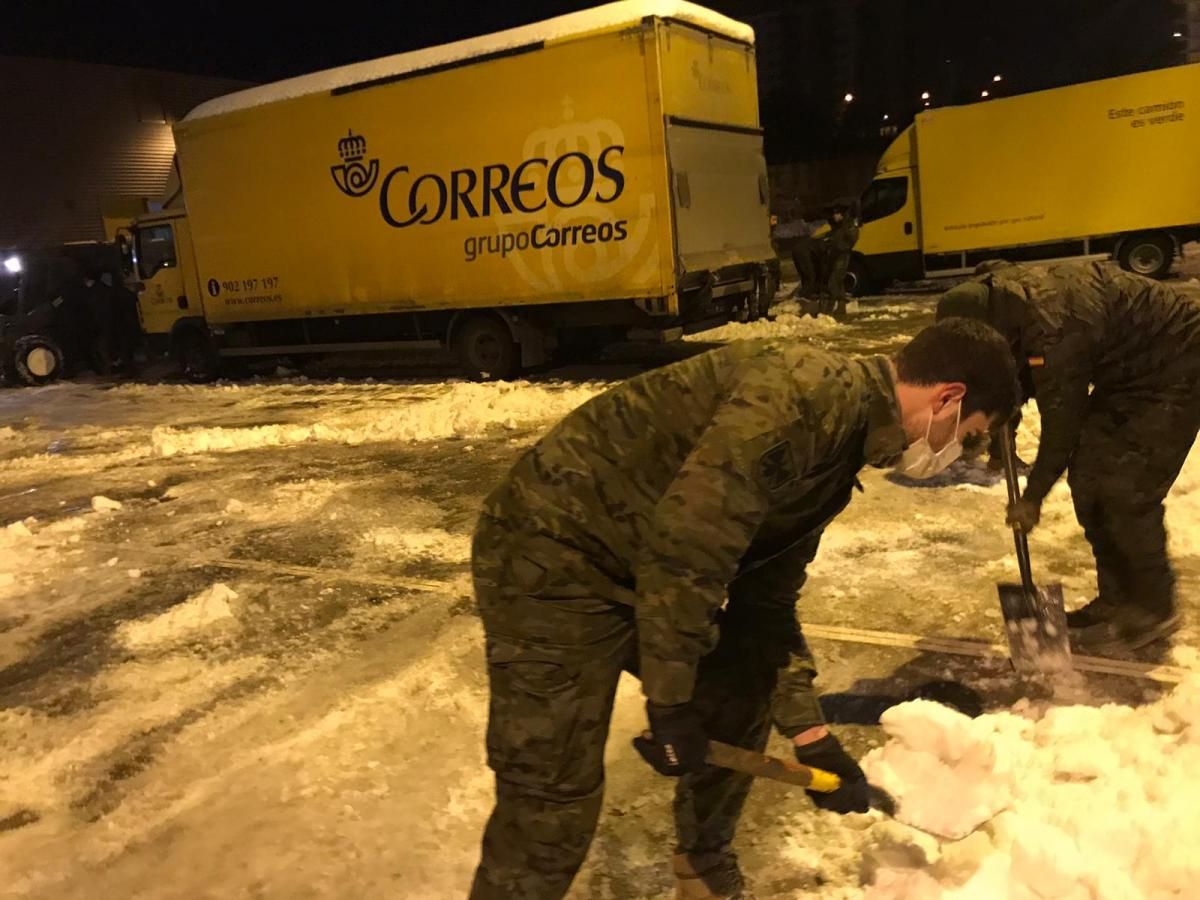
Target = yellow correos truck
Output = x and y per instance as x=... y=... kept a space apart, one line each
x=596 y=176
x=1106 y=168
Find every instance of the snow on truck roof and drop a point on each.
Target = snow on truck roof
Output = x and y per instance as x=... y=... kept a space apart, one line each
x=610 y=15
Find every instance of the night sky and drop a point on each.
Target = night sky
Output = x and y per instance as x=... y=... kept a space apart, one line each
x=251 y=40
x=266 y=41
x=1035 y=43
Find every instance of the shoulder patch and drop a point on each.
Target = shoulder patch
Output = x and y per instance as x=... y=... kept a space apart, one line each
x=777 y=466
x=1036 y=361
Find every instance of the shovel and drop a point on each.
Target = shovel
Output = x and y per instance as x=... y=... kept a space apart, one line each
x=789 y=771
x=1035 y=619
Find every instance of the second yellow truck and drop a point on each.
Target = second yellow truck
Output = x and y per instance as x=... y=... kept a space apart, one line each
x=1106 y=168
x=588 y=178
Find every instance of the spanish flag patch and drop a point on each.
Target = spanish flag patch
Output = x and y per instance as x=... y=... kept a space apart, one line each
x=1037 y=361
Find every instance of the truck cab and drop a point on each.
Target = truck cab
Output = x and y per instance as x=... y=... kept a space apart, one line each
x=889 y=247
x=160 y=265
x=1005 y=179
x=163 y=272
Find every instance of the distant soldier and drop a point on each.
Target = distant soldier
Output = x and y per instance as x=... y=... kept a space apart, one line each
x=843 y=235
x=126 y=324
x=806 y=252
x=664 y=529
x=1136 y=343
x=72 y=299
x=794 y=237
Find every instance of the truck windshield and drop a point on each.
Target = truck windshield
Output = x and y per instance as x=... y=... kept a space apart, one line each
x=156 y=249
x=884 y=197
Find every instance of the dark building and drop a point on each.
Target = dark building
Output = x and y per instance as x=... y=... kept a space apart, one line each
x=1188 y=30
x=86 y=143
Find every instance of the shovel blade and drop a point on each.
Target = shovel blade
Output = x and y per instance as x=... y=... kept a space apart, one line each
x=1036 y=625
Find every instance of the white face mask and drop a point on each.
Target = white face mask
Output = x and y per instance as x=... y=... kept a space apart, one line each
x=919 y=459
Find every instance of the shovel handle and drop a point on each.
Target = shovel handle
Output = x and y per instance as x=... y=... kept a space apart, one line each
x=789 y=771
x=1008 y=444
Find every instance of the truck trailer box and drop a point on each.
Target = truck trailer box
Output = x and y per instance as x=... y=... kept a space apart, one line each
x=1103 y=168
x=601 y=170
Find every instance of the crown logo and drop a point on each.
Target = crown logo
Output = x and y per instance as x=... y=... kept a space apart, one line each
x=352 y=147
x=353 y=177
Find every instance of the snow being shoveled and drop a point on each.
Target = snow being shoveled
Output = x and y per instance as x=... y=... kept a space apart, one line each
x=600 y=18
x=1072 y=801
x=457 y=410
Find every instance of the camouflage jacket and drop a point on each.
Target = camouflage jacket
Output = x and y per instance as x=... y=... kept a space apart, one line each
x=674 y=488
x=1075 y=325
x=842 y=237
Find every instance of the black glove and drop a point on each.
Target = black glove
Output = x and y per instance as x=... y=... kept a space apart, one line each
x=1024 y=515
x=676 y=743
x=827 y=753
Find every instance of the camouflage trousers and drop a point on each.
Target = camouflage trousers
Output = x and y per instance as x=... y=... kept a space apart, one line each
x=837 y=279
x=553 y=667
x=803 y=252
x=1130 y=452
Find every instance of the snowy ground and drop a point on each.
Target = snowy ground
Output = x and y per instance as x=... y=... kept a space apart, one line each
x=238 y=656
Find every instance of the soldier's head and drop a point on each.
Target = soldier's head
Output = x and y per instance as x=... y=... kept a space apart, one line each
x=955 y=379
x=968 y=300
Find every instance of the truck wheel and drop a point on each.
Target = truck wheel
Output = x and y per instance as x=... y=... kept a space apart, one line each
x=37 y=359
x=759 y=303
x=858 y=279
x=197 y=359
x=486 y=349
x=1147 y=254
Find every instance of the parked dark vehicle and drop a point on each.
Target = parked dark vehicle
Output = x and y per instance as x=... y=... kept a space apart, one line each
x=62 y=309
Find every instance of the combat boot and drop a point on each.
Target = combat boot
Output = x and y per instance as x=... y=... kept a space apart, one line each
x=709 y=876
x=1127 y=628
x=1094 y=612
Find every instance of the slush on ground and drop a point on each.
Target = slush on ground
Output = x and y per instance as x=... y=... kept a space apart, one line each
x=239 y=658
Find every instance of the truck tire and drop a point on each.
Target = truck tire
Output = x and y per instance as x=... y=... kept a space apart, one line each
x=759 y=303
x=198 y=361
x=486 y=349
x=858 y=280
x=37 y=359
x=1149 y=254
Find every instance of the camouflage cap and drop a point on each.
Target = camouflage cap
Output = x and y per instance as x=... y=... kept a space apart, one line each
x=968 y=300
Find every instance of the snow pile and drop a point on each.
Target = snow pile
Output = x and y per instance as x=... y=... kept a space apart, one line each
x=1087 y=802
x=433 y=543
x=15 y=533
x=784 y=325
x=943 y=767
x=201 y=613
x=610 y=15
x=1183 y=508
x=458 y=410
x=32 y=554
x=13 y=539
